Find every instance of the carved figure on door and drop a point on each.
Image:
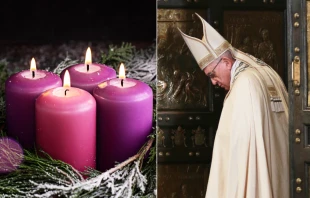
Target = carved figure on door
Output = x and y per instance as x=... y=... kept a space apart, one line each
x=247 y=45
x=160 y=137
x=266 y=50
x=178 y=137
x=199 y=137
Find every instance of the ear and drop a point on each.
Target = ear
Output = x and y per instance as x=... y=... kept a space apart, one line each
x=228 y=63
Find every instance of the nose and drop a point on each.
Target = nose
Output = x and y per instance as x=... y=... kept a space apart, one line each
x=213 y=81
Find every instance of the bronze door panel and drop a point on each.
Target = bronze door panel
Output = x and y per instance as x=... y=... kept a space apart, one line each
x=181 y=84
x=259 y=33
x=182 y=180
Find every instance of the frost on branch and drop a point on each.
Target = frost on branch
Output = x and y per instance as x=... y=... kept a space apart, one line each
x=143 y=65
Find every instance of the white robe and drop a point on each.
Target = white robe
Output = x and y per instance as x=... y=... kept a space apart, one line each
x=251 y=149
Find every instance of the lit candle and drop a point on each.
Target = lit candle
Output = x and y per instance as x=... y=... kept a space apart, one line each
x=124 y=117
x=21 y=91
x=66 y=125
x=87 y=76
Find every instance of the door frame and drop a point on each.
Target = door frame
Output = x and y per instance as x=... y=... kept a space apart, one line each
x=299 y=114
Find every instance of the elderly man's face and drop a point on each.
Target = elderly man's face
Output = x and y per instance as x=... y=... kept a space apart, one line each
x=219 y=72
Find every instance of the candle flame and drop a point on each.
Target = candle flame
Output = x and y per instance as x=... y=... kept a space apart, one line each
x=122 y=71
x=33 y=65
x=66 y=79
x=88 y=57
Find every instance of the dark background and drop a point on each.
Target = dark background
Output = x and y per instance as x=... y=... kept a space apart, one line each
x=41 y=21
x=50 y=30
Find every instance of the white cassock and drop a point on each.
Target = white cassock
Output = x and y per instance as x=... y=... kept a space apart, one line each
x=251 y=149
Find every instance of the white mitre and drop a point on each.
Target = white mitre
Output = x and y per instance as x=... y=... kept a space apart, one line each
x=211 y=46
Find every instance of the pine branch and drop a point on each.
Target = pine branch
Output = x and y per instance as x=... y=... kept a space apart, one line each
x=64 y=64
x=139 y=155
x=149 y=170
x=142 y=66
x=45 y=177
x=2 y=113
x=4 y=74
x=117 y=55
x=36 y=171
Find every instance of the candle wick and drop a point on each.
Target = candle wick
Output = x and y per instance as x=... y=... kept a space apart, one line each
x=66 y=91
x=87 y=66
x=33 y=74
x=122 y=82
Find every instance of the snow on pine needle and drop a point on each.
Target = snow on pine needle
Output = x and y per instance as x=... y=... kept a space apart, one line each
x=143 y=65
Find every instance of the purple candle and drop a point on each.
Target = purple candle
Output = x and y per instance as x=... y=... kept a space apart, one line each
x=87 y=76
x=124 y=119
x=21 y=91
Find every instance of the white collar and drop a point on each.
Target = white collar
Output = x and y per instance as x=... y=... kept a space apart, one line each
x=233 y=69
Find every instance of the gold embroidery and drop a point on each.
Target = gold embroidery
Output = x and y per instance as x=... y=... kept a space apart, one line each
x=276 y=102
x=242 y=66
x=272 y=92
x=223 y=47
x=210 y=57
x=206 y=60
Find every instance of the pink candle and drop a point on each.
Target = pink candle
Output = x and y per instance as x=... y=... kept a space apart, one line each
x=66 y=125
x=124 y=117
x=87 y=76
x=21 y=91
